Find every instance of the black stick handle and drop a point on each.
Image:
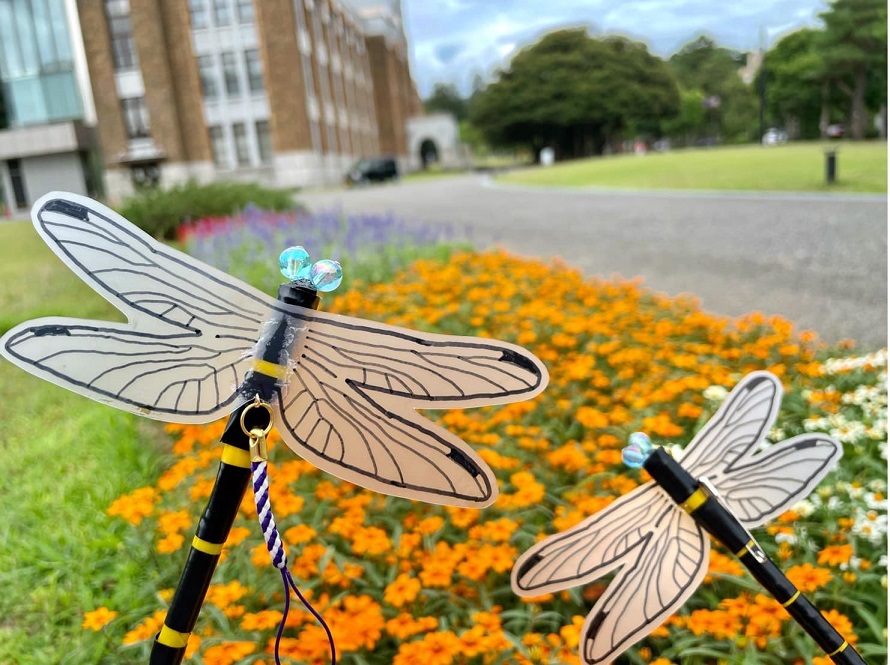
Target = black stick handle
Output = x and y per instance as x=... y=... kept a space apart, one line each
x=717 y=520
x=228 y=490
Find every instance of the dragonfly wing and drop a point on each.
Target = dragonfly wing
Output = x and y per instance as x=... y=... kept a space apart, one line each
x=349 y=406
x=654 y=581
x=765 y=485
x=742 y=422
x=592 y=548
x=183 y=352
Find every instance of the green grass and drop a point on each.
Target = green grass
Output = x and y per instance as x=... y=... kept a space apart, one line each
x=64 y=459
x=861 y=167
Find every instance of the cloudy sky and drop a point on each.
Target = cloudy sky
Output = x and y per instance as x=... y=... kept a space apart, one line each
x=451 y=40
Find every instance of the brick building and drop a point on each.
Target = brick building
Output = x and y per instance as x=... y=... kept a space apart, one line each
x=289 y=92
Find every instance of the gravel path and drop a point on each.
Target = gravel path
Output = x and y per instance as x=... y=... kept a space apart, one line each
x=818 y=260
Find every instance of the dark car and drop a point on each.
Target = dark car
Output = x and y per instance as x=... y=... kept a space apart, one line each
x=376 y=169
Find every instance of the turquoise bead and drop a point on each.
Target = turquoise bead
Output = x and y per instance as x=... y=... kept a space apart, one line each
x=326 y=275
x=294 y=263
x=638 y=449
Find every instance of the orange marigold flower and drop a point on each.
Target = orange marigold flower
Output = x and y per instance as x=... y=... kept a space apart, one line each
x=97 y=619
x=170 y=544
x=404 y=626
x=227 y=653
x=403 y=589
x=835 y=555
x=591 y=418
x=301 y=533
x=147 y=629
x=807 y=577
x=263 y=620
x=841 y=624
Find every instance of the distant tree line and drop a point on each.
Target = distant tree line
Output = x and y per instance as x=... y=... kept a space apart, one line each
x=585 y=95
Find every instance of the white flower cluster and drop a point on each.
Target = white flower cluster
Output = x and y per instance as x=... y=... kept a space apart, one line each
x=870 y=400
x=843 y=365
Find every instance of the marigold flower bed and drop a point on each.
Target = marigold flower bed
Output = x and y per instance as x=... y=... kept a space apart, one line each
x=405 y=582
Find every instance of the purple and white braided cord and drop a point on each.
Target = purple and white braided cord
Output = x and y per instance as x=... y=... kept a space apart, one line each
x=264 y=512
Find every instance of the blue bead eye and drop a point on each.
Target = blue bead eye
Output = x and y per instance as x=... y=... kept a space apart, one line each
x=638 y=449
x=294 y=263
x=326 y=275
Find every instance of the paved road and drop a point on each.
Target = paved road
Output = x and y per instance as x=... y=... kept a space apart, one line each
x=818 y=260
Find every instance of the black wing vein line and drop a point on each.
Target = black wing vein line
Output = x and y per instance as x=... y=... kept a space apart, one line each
x=185 y=348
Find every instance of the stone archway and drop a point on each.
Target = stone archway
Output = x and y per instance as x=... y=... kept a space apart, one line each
x=429 y=153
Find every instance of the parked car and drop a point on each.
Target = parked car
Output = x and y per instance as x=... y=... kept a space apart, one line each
x=774 y=136
x=376 y=169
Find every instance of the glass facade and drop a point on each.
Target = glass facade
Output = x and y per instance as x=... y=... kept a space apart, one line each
x=36 y=65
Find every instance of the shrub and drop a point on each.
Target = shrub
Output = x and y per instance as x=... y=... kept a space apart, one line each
x=160 y=212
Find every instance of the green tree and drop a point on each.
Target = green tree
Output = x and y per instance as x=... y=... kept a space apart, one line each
x=690 y=123
x=575 y=94
x=446 y=98
x=854 y=52
x=714 y=70
x=795 y=76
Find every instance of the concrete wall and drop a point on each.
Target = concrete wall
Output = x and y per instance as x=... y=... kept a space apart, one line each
x=43 y=174
x=441 y=129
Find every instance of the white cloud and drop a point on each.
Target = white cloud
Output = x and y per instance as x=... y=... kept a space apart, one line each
x=451 y=40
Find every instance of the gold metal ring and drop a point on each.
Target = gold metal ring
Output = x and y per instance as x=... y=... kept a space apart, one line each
x=257 y=402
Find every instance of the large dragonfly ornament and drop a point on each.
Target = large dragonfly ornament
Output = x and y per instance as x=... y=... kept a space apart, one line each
x=199 y=345
x=654 y=539
x=196 y=337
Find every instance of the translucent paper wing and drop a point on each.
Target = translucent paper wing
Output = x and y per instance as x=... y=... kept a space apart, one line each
x=348 y=402
x=666 y=571
x=592 y=548
x=185 y=348
x=662 y=555
x=741 y=423
x=769 y=483
x=349 y=405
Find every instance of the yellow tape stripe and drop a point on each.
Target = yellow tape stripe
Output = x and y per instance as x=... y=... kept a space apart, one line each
x=206 y=546
x=792 y=599
x=742 y=552
x=173 y=638
x=695 y=501
x=839 y=649
x=274 y=370
x=235 y=456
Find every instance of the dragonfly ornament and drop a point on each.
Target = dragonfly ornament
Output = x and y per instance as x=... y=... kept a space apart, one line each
x=199 y=345
x=655 y=542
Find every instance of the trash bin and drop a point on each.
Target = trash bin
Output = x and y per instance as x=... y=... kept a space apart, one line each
x=830 y=166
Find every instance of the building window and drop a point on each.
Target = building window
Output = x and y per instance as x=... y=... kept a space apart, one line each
x=222 y=12
x=254 y=70
x=136 y=117
x=123 y=48
x=264 y=141
x=218 y=146
x=198 y=11
x=242 y=149
x=230 y=74
x=209 y=81
x=245 y=11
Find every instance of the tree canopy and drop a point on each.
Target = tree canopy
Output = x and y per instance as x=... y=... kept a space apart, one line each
x=447 y=98
x=576 y=93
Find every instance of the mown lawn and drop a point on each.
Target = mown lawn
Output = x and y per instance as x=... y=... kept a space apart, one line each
x=63 y=459
x=861 y=167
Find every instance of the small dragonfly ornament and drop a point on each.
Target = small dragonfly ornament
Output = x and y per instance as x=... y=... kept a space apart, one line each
x=197 y=340
x=655 y=539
